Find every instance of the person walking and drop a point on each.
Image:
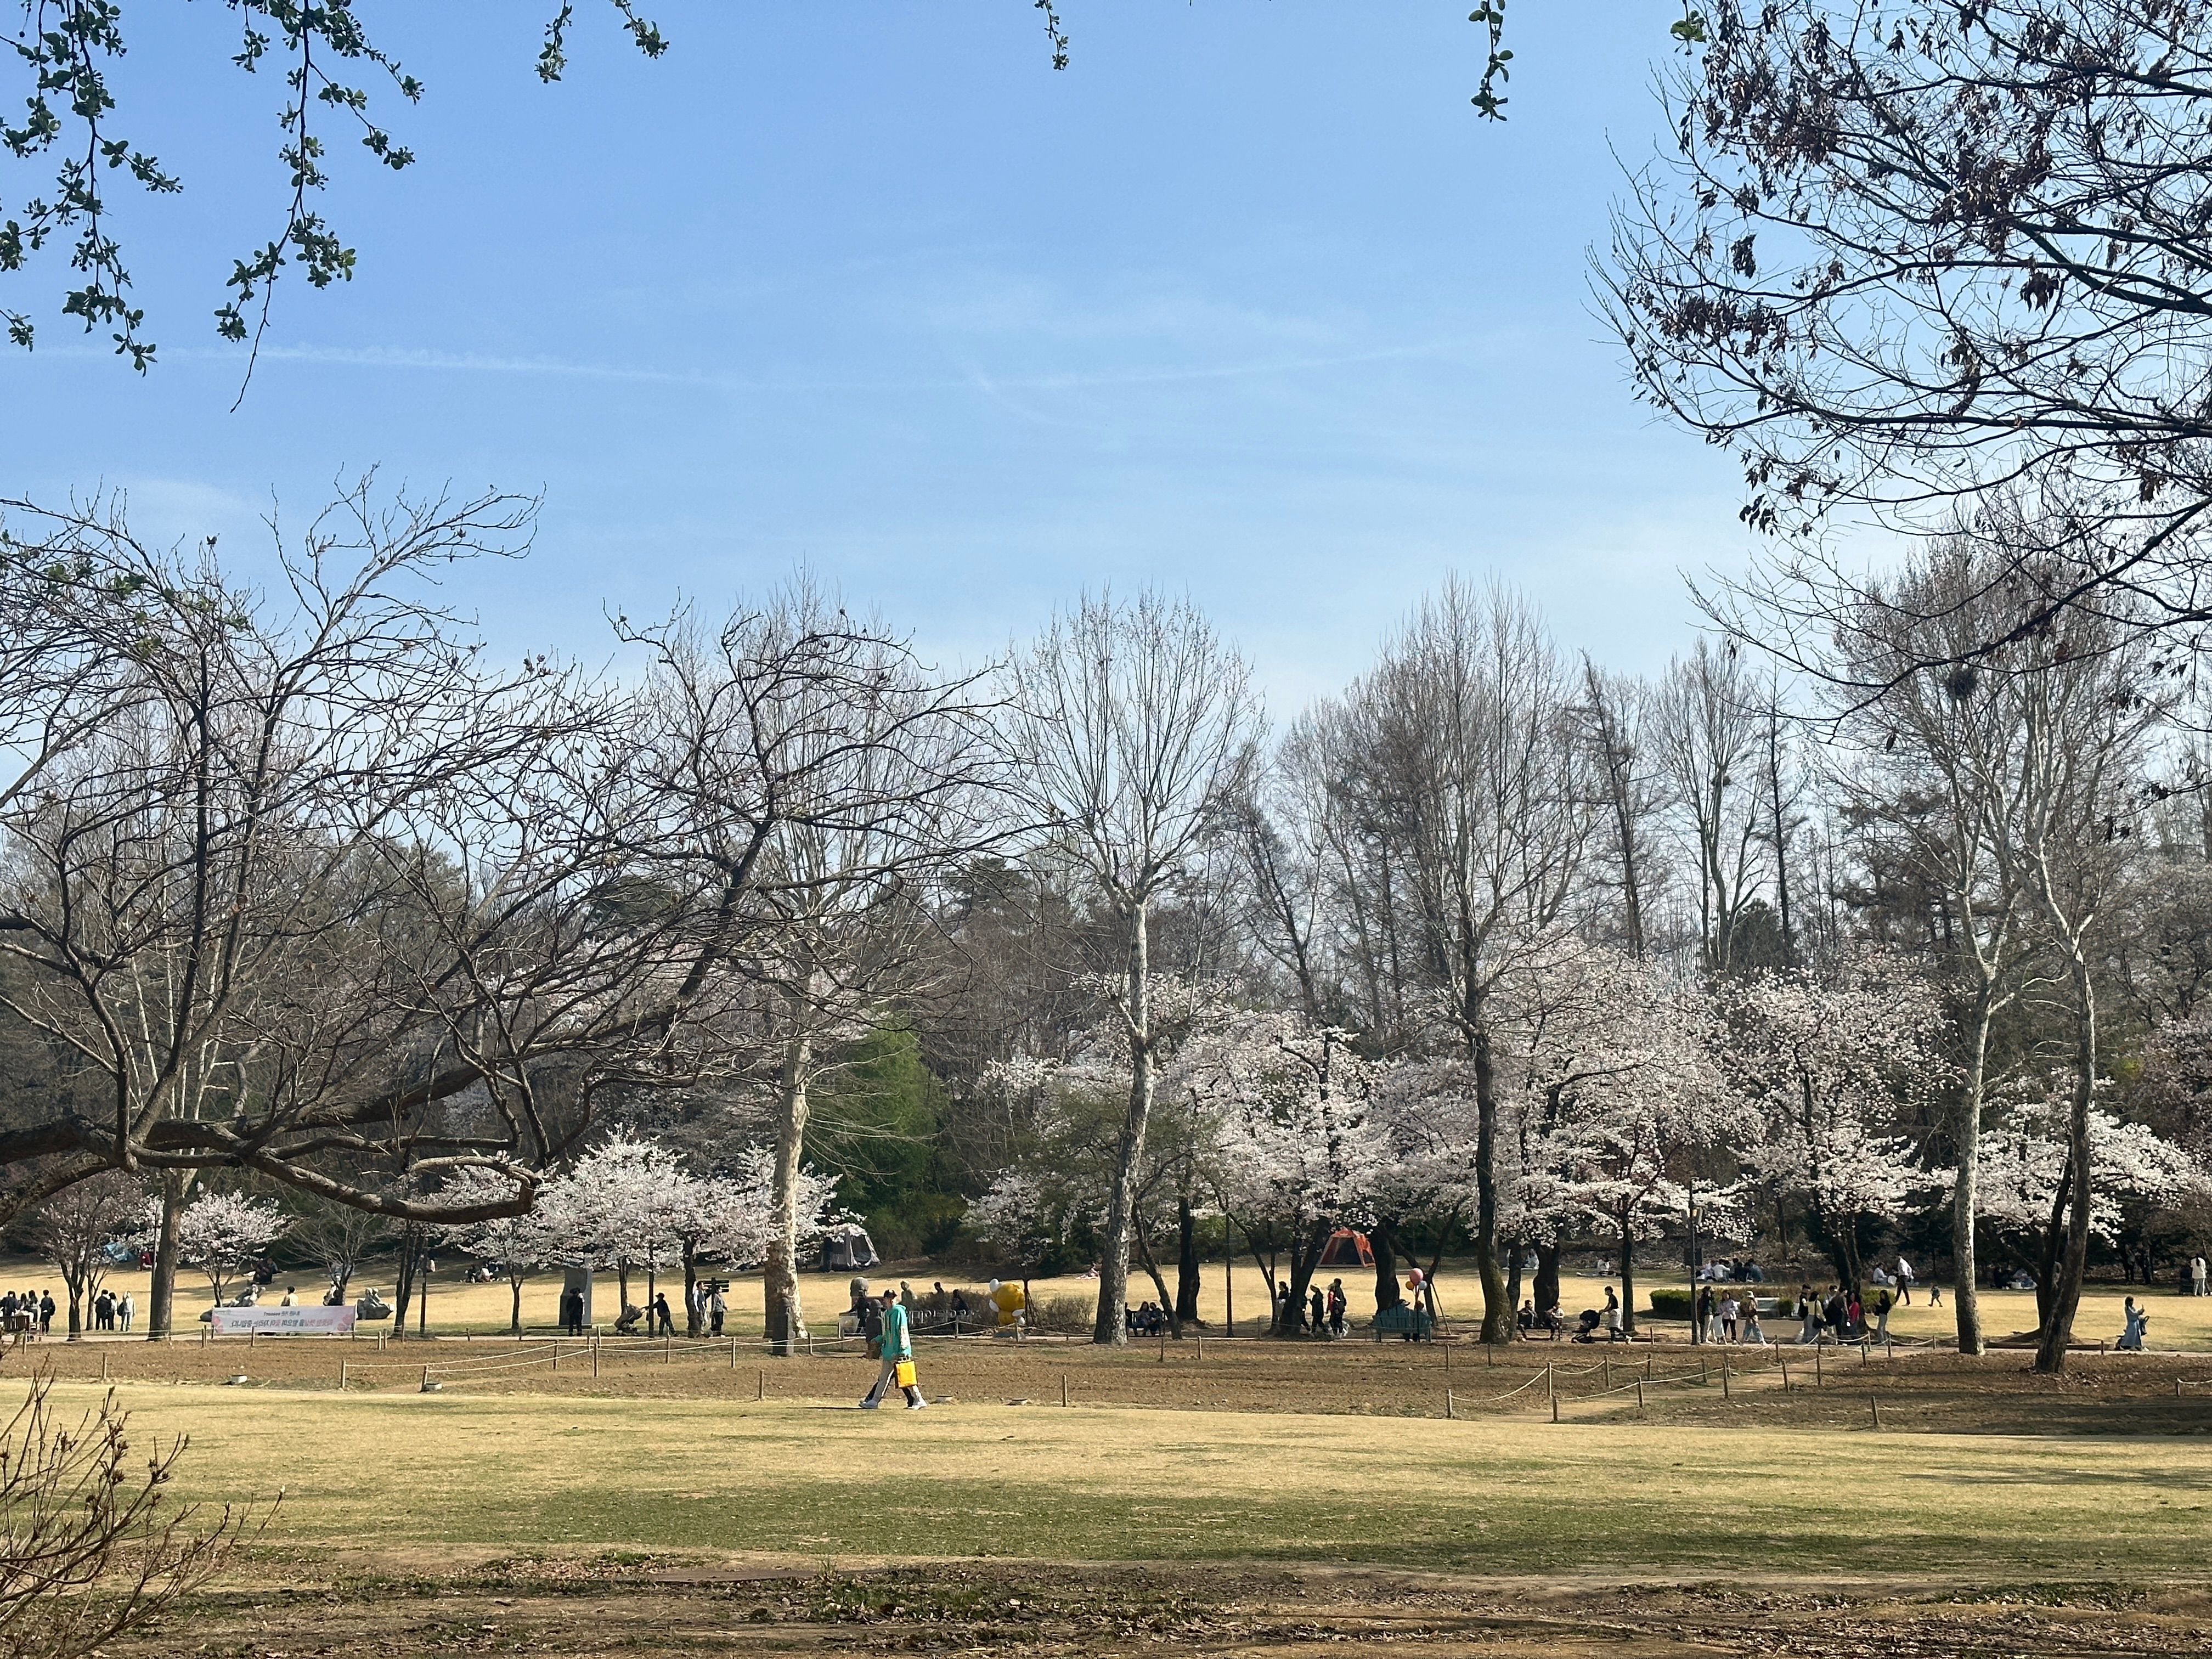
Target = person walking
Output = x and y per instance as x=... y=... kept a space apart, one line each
x=1320 y=1312
x=2198 y=1284
x=1337 y=1305
x=1904 y=1280
x=46 y=1313
x=718 y=1309
x=2138 y=1321
x=894 y=1348
x=126 y=1310
x=662 y=1324
x=1881 y=1305
x=1728 y=1308
x=1611 y=1317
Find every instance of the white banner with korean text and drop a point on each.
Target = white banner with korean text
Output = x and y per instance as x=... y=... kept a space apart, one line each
x=284 y=1321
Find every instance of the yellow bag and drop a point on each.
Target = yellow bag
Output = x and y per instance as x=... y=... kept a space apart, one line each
x=904 y=1374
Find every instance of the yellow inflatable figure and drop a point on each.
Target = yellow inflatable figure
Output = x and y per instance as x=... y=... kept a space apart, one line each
x=1010 y=1300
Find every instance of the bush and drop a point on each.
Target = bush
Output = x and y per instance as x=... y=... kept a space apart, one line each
x=1065 y=1316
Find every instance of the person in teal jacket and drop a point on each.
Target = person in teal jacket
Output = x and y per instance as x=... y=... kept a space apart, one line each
x=895 y=1347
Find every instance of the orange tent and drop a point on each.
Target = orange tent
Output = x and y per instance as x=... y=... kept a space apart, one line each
x=1346 y=1248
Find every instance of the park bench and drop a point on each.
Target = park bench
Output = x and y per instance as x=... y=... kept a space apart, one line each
x=1400 y=1319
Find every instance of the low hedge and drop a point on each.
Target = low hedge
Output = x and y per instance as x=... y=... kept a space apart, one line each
x=1671 y=1304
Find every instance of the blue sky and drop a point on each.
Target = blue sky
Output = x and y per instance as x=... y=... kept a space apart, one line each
x=1246 y=302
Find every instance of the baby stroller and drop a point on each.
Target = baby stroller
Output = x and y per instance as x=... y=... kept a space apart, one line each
x=1586 y=1328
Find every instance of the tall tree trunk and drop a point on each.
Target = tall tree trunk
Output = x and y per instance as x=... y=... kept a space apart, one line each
x=1305 y=1257
x=1122 y=1204
x=690 y=1287
x=2059 y=1327
x=1383 y=1241
x=1515 y=1250
x=2048 y=1247
x=787 y=1319
x=1965 y=1197
x=403 y=1291
x=1627 y=1274
x=1496 y=1317
x=161 y=1294
x=1547 y=1276
x=1187 y=1265
x=515 y=1309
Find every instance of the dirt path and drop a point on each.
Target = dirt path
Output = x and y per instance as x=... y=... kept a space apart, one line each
x=587 y=1606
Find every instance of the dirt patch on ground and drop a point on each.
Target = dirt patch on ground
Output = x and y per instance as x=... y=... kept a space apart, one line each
x=601 y=1606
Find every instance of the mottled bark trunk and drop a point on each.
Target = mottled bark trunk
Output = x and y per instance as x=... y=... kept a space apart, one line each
x=1627 y=1274
x=786 y=1318
x=161 y=1295
x=2058 y=1326
x=1965 y=1198
x=1496 y=1315
x=1121 y=1202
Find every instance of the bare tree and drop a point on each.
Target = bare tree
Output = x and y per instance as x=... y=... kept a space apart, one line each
x=1496 y=820
x=1708 y=738
x=90 y=1549
x=319 y=897
x=2082 y=722
x=1132 y=725
x=1941 y=763
x=813 y=763
x=1907 y=255
x=1615 y=714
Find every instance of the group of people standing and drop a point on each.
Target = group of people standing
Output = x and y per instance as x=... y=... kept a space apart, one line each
x=1322 y=1313
x=110 y=1312
x=24 y=1313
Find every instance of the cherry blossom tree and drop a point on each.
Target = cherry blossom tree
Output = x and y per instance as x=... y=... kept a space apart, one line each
x=75 y=1227
x=1296 y=1154
x=1618 y=1066
x=633 y=1201
x=1835 y=1061
x=1061 y=1187
x=222 y=1234
x=1425 y=1115
x=2025 y=1171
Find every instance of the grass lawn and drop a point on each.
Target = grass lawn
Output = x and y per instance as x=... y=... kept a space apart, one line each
x=822 y=1480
